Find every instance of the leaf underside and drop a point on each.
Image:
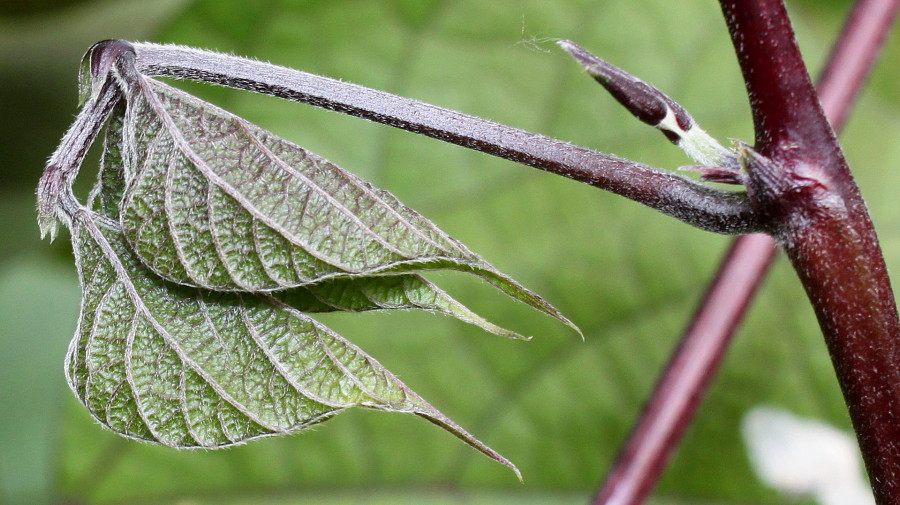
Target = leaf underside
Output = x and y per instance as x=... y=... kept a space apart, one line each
x=187 y=367
x=341 y=293
x=190 y=367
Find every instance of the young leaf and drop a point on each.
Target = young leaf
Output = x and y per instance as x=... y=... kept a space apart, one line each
x=156 y=361
x=349 y=294
x=213 y=201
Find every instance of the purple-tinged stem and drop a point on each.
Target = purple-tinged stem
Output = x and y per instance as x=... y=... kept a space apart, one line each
x=679 y=390
x=784 y=104
x=801 y=185
x=63 y=165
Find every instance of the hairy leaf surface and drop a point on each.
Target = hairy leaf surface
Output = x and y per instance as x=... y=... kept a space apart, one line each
x=214 y=201
x=188 y=367
x=344 y=293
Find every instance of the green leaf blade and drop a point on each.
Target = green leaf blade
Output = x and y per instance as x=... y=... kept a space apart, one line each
x=226 y=174
x=156 y=361
x=222 y=204
x=145 y=353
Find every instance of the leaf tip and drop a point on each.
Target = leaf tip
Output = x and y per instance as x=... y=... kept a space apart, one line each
x=517 y=472
x=432 y=415
x=568 y=322
x=577 y=330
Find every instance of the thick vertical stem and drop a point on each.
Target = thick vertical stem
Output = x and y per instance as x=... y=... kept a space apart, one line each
x=800 y=183
x=783 y=102
x=679 y=390
x=836 y=256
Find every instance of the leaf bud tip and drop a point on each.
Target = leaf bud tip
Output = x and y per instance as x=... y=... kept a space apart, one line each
x=96 y=65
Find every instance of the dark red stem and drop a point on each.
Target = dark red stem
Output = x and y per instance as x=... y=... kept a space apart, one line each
x=684 y=382
x=801 y=185
x=784 y=105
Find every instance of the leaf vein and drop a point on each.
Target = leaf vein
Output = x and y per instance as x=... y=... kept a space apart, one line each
x=168 y=339
x=277 y=365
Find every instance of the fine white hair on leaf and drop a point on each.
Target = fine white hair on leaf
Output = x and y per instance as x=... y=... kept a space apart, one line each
x=805 y=457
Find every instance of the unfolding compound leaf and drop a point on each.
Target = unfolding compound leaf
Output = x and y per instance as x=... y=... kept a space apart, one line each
x=188 y=367
x=216 y=202
x=205 y=243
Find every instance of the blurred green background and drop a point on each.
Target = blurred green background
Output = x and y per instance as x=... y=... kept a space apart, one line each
x=556 y=406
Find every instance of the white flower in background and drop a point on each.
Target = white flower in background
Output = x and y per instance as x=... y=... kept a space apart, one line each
x=805 y=457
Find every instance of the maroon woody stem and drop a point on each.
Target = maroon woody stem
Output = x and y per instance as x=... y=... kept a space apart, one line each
x=681 y=387
x=783 y=102
x=800 y=184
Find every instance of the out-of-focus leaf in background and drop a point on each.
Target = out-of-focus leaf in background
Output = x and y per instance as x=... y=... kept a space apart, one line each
x=556 y=406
